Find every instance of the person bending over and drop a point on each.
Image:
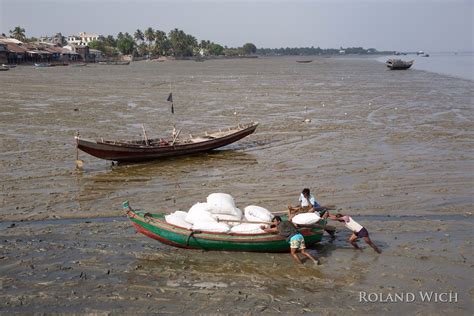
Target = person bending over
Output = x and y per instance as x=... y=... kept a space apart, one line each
x=358 y=231
x=293 y=237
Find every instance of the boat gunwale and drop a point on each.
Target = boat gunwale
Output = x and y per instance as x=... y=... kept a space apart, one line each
x=125 y=144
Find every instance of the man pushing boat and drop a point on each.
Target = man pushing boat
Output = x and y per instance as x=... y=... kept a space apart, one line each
x=293 y=237
x=358 y=231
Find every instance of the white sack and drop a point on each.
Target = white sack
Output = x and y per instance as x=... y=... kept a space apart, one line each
x=211 y=227
x=247 y=229
x=306 y=219
x=178 y=218
x=199 y=212
x=222 y=203
x=257 y=214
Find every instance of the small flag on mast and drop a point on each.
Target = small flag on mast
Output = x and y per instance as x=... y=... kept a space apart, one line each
x=170 y=99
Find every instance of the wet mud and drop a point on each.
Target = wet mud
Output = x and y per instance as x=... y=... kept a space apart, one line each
x=371 y=141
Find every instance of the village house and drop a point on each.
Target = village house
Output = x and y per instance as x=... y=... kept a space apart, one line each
x=13 y=51
x=83 y=39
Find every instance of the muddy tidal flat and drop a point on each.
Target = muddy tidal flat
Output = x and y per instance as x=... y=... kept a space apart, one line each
x=393 y=149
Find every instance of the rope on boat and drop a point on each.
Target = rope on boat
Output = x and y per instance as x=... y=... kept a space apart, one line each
x=191 y=234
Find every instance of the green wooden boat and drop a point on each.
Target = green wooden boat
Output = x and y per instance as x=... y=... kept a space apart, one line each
x=156 y=227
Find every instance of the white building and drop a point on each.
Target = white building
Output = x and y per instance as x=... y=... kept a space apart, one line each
x=82 y=39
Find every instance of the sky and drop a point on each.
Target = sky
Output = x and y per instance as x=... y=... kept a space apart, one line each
x=400 y=25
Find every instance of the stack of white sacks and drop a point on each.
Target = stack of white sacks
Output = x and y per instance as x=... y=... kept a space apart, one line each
x=217 y=214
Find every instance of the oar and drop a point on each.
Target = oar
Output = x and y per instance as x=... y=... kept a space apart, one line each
x=269 y=223
x=240 y=221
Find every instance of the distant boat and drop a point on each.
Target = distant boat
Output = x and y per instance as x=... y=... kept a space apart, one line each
x=114 y=63
x=398 y=64
x=304 y=61
x=425 y=55
x=4 y=68
x=42 y=65
x=79 y=65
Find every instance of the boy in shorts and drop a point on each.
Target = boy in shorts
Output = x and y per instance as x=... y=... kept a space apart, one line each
x=288 y=230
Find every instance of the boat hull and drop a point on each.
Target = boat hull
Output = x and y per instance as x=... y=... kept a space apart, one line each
x=123 y=152
x=155 y=226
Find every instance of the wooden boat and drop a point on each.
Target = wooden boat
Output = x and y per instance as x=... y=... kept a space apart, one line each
x=398 y=64
x=79 y=65
x=150 y=149
x=156 y=227
x=42 y=65
x=123 y=63
x=304 y=61
x=4 y=68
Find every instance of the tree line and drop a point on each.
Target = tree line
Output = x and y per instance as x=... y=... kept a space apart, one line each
x=151 y=43
x=177 y=43
x=314 y=51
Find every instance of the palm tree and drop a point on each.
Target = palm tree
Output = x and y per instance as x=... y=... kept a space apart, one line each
x=161 y=42
x=149 y=35
x=139 y=35
x=18 y=33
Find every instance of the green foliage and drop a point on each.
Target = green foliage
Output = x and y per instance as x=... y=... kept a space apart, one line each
x=311 y=51
x=18 y=33
x=182 y=44
x=249 y=49
x=126 y=44
x=215 y=49
x=139 y=35
x=149 y=35
x=110 y=41
x=162 y=44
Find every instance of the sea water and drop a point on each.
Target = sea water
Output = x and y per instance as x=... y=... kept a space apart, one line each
x=459 y=65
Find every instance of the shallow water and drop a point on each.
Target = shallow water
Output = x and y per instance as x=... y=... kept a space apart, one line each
x=379 y=143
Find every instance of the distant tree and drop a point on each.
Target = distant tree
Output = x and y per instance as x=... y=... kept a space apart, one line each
x=162 y=44
x=215 y=49
x=110 y=41
x=58 y=38
x=249 y=48
x=126 y=44
x=139 y=35
x=149 y=35
x=120 y=35
x=18 y=33
x=142 y=49
x=182 y=44
x=99 y=45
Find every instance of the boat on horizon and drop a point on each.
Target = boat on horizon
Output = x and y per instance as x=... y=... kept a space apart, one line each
x=306 y=61
x=43 y=65
x=398 y=64
x=158 y=148
x=122 y=63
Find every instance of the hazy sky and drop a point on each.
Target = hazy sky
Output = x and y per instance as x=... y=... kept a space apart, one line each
x=410 y=25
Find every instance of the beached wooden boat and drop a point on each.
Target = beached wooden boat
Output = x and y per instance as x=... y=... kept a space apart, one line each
x=150 y=149
x=156 y=227
x=123 y=63
x=398 y=64
x=42 y=65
